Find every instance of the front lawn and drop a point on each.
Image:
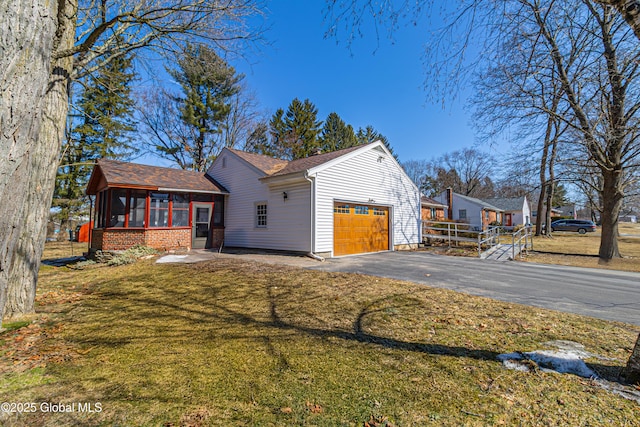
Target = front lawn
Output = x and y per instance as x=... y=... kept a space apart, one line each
x=581 y=250
x=239 y=343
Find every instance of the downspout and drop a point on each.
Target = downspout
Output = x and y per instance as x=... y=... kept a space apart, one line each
x=312 y=218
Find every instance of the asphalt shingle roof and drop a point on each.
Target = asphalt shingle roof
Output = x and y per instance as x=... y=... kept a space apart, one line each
x=133 y=175
x=507 y=203
x=279 y=167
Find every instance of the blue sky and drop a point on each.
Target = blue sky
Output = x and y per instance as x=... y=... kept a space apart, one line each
x=376 y=82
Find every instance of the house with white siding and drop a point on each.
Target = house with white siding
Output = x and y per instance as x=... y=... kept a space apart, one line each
x=479 y=214
x=356 y=200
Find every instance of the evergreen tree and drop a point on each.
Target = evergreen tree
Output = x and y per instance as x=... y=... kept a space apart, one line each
x=105 y=116
x=258 y=141
x=278 y=132
x=369 y=135
x=301 y=129
x=208 y=84
x=336 y=134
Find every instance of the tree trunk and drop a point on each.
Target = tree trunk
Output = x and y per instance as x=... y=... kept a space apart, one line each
x=612 y=197
x=43 y=165
x=630 y=11
x=633 y=365
x=26 y=37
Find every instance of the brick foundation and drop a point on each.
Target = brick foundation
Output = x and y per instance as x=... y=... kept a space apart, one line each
x=163 y=239
x=121 y=239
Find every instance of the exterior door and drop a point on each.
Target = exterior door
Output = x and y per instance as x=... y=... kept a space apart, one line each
x=201 y=225
x=507 y=220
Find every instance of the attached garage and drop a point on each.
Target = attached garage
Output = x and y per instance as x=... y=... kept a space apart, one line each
x=360 y=228
x=351 y=201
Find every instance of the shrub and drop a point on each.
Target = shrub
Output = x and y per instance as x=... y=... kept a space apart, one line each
x=129 y=256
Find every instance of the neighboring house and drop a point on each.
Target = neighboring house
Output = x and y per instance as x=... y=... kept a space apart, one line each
x=350 y=201
x=515 y=211
x=628 y=218
x=154 y=206
x=432 y=210
x=478 y=213
x=568 y=211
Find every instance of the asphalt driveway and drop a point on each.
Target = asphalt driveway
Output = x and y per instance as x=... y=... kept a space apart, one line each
x=604 y=294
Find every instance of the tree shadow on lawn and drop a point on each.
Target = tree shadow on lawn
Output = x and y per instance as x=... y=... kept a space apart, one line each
x=211 y=311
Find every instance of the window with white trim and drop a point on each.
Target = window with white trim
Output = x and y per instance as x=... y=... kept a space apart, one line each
x=261 y=215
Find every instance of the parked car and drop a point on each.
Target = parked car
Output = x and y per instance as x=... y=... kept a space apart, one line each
x=579 y=225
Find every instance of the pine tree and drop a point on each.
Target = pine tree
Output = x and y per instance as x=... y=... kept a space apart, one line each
x=369 y=135
x=208 y=84
x=258 y=141
x=336 y=134
x=278 y=132
x=301 y=129
x=105 y=116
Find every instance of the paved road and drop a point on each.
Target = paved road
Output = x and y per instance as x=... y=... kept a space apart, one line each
x=605 y=294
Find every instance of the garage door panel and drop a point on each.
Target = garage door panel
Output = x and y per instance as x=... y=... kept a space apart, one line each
x=360 y=229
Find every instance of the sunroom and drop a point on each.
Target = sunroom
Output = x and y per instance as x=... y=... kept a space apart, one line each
x=159 y=207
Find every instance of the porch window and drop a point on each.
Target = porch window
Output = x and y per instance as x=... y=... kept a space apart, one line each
x=434 y=213
x=261 y=215
x=118 y=207
x=218 y=211
x=137 y=208
x=102 y=210
x=180 y=210
x=159 y=210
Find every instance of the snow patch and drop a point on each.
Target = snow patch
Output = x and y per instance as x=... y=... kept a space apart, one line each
x=171 y=258
x=566 y=359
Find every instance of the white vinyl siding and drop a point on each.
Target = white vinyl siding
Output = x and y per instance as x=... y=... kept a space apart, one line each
x=288 y=220
x=370 y=177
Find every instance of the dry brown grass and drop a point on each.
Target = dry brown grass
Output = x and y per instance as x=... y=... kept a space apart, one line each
x=581 y=250
x=241 y=343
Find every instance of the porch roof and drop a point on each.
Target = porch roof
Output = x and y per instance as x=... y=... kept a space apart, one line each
x=117 y=174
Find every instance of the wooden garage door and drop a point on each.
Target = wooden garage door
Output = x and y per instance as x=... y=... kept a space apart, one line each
x=359 y=228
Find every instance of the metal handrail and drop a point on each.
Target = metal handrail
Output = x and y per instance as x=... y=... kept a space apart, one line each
x=517 y=237
x=487 y=238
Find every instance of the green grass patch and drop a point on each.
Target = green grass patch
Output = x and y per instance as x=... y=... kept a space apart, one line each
x=12 y=326
x=239 y=343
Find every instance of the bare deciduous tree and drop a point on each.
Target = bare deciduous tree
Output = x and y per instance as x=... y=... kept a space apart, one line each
x=595 y=61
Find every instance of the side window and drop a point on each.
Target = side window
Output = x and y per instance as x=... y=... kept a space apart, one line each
x=462 y=214
x=261 y=215
x=159 y=210
x=180 y=210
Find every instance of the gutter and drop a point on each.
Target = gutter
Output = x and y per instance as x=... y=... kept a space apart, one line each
x=312 y=217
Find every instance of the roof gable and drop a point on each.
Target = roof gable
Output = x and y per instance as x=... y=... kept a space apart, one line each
x=114 y=173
